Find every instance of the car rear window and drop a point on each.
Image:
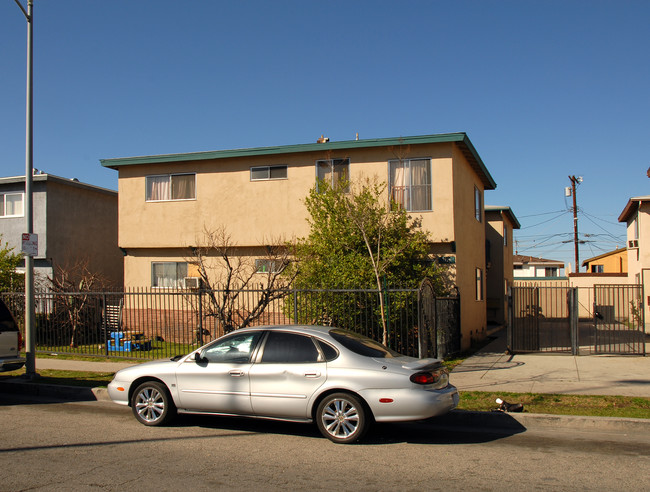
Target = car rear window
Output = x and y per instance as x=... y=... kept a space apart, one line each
x=7 y=322
x=362 y=345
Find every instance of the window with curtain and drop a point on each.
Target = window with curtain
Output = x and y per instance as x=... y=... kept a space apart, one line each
x=168 y=274
x=12 y=205
x=479 y=284
x=410 y=184
x=333 y=172
x=166 y=187
x=478 y=204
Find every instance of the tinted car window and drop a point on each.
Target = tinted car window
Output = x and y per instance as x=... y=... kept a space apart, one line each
x=329 y=352
x=7 y=322
x=362 y=345
x=237 y=348
x=289 y=348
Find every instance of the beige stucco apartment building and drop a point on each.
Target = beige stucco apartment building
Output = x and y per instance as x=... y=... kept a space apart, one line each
x=257 y=194
x=500 y=224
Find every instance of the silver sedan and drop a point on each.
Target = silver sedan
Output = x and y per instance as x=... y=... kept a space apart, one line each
x=341 y=380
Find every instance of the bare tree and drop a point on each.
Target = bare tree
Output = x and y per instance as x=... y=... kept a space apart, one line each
x=226 y=274
x=79 y=282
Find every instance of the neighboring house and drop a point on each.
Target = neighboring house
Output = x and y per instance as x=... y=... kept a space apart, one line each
x=610 y=262
x=167 y=201
x=526 y=267
x=74 y=221
x=636 y=215
x=500 y=223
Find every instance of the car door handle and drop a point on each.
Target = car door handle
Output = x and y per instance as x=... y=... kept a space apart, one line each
x=312 y=374
x=236 y=373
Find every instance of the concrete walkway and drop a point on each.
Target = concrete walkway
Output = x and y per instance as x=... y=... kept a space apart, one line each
x=491 y=369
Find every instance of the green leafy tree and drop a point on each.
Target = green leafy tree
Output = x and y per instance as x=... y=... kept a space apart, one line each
x=10 y=280
x=358 y=239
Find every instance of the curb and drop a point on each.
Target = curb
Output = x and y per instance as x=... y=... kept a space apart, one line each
x=73 y=393
x=501 y=421
x=471 y=421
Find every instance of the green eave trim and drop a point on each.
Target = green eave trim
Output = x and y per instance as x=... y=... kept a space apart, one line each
x=461 y=139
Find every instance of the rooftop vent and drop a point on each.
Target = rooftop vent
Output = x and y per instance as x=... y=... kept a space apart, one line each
x=323 y=139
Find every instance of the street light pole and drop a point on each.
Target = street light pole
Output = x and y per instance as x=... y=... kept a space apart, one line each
x=30 y=355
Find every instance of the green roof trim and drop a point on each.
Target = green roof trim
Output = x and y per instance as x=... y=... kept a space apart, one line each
x=461 y=139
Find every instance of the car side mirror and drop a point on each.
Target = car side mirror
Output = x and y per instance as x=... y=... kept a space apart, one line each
x=199 y=359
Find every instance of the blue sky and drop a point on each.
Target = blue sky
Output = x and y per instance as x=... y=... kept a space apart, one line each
x=544 y=89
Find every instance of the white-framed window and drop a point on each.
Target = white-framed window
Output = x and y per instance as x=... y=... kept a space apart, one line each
x=12 y=204
x=167 y=187
x=267 y=266
x=265 y=173
x=479 y=284
x=333 y=172
x=168 y=274
x=478 y=204
x=410 y=184
x=597 y=268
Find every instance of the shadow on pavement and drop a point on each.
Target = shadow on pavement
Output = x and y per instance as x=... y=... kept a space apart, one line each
x=442 y=431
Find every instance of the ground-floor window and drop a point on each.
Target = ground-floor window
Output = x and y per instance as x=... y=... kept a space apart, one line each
x=479 y=284
x=168 y=274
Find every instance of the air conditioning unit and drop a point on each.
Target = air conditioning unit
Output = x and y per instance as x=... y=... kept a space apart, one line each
x=633 y=244
x=192 y=283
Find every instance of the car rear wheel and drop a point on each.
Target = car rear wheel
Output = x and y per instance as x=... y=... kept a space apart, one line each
x=342 y=418
x=152 y=404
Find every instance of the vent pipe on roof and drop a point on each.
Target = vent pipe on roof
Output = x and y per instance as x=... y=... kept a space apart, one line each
x=323 y=139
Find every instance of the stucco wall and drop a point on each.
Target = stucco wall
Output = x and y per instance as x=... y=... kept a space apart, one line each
x=255 y=212
x=470 y=250
x=82 y=226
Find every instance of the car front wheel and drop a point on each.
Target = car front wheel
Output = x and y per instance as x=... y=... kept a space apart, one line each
x=342 y=418
x=152 y=404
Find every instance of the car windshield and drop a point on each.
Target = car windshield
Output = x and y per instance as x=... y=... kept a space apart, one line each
x=362 y=345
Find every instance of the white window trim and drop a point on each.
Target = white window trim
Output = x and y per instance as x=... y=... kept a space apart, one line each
x=4 y=199
x=170 y=177
x=269 y=178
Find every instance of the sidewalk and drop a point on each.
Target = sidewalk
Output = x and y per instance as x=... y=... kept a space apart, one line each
x=491 y=369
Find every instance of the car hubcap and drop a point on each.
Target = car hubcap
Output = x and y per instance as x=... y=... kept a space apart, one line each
x=340 y=418
x=150 y=404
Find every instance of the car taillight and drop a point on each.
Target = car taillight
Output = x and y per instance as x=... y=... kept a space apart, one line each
x=439 y=377
x=20 y=341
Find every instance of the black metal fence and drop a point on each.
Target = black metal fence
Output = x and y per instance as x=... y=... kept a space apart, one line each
x=604 y=319
x=160 y=323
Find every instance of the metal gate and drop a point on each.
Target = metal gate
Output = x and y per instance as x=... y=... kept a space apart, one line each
x=546 y=319
x=439 y=323
x=619 y=320
x=542 y=319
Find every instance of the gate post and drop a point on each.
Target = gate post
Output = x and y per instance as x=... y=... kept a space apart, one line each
x=574 y=316
x=510 y=321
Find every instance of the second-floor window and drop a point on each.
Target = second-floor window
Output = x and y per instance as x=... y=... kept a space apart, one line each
x=410 y=184
x=264 y=173
x=333 y=172
x=166 y=187
x=478 y=204
x=12 y=204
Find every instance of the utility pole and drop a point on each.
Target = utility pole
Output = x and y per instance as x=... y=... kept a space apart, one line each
x=574 y=182
x=30 y=353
